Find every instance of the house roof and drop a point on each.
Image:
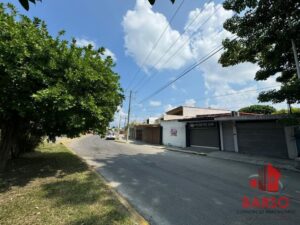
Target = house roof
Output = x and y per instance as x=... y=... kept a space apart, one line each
x=252 y=117
x=204 y=117
x=215 y=116
x=146 y=125
x=179 y=110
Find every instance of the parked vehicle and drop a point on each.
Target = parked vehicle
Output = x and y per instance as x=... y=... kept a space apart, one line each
x=110 y=136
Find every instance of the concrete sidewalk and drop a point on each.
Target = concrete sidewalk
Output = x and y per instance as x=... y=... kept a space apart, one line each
x=285 y=164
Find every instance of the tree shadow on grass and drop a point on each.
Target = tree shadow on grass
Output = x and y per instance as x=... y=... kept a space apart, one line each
x=86 y=189
x=30 y=166
x=86 y=192
x=112 y=217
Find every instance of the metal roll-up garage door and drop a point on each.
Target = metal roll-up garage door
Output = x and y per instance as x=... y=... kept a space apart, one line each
x=204 y=135
x=228 y=142
x=262 y=138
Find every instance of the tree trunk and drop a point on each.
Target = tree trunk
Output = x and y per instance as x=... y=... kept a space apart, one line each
x=8 y=142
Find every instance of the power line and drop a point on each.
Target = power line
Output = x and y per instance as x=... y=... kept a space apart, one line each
x=156 y=43
x=170 y=47
x=204 y=59
x=225 y=95
x=237 y=93
x=177 y=51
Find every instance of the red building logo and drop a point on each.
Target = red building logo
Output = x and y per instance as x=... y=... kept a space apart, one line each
x=267 y=179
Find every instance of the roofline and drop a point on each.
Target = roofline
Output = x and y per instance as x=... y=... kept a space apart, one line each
x=194 y=107
x=147 y=125
x=253 y=117
x=206 y=108
x=174 y=109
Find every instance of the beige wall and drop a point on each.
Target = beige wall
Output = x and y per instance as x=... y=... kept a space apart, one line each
x=189 y=111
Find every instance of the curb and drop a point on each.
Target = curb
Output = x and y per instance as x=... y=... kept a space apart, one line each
x=168 y=148
x=205 y=154
x=137 y=218
x=122 y=142
x=261 y=163
x=186 y=151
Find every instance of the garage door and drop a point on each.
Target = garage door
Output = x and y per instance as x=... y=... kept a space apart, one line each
x=152 y=135
x=262 y=138
x=204 y=137
x=139 y=134
x=228 y=141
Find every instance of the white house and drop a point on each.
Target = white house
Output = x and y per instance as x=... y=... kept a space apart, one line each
x=174 y=132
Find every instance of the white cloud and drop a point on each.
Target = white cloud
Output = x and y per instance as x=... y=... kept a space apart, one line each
x=155 y=103
x=174 y=87
x=121 y=112
x=190 y=102
x=81 y=42
x=111 y=54
x=168 y=107
x=119 y=117
x=217 y=79
x=143 y=27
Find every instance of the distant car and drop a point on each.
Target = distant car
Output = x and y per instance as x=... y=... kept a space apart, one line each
x=110 y=136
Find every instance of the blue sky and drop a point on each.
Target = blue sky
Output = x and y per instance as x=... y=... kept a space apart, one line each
x=130 y=28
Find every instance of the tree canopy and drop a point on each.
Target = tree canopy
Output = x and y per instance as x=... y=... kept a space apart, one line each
x=265 y=29
x=50 y=87
x=285 y=111
x=259 y=109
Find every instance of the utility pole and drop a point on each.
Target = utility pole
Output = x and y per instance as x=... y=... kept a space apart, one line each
x=296 y=58
x=119 y=125
x=128 y=116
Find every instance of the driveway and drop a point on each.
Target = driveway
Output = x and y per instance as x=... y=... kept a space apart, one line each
x=171 y=188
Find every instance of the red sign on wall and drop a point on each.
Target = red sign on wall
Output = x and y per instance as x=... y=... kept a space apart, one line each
x=173 y=132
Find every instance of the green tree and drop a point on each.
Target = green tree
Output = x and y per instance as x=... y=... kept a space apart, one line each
x=265 y=29
x=50 y=87
x=259 y=109
x=285 y=111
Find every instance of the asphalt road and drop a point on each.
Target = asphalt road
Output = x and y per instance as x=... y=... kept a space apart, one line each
x=170 y=188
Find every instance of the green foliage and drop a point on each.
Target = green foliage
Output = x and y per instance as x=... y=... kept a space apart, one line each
x=285 y=111
x=259 y=109
x=57 y=188
x=49 y=86
x=265 y=30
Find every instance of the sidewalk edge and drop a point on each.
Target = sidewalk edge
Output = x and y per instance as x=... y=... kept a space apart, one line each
x=185 y=151
x=282 y=167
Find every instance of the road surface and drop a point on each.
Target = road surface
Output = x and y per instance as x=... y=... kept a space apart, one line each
x=170 y=188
